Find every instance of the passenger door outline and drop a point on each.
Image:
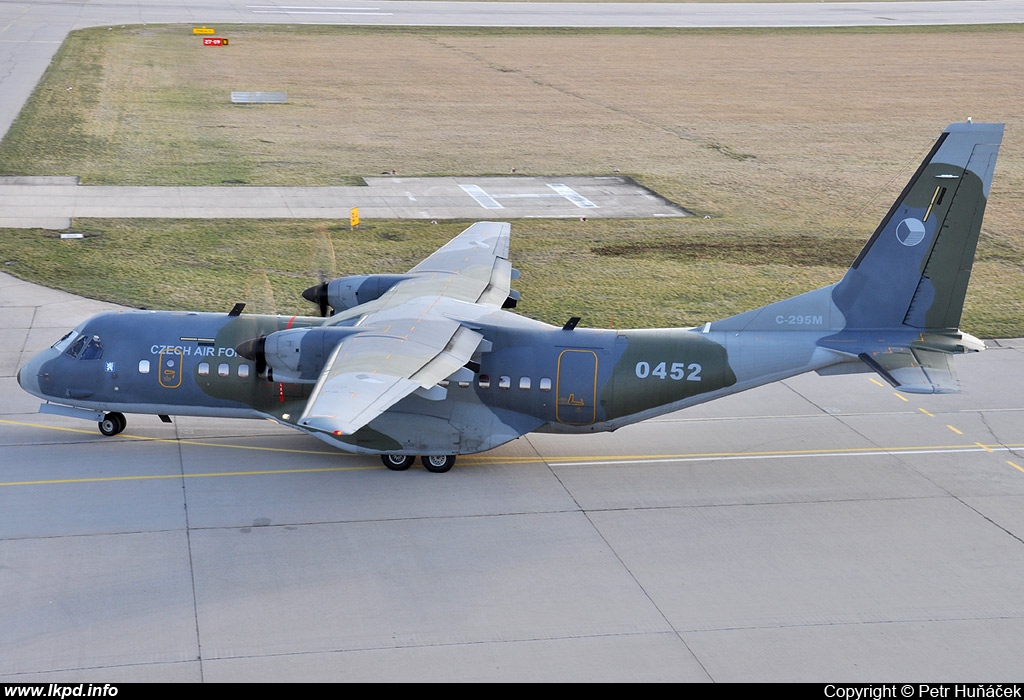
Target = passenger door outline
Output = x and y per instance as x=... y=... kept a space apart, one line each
x=576 y=390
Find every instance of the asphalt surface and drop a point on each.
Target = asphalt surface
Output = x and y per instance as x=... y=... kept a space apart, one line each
x=819 y=529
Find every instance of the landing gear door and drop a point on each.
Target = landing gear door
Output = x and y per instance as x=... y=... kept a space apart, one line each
x=577 y=387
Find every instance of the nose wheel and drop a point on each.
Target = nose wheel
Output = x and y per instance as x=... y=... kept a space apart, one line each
x=438 y=464
x=112 y=424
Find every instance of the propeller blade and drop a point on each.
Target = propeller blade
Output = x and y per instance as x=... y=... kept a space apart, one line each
x=255 y=350
x=318 y=295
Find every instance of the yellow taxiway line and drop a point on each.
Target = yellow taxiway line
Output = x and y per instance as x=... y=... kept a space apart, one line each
x=583 y=461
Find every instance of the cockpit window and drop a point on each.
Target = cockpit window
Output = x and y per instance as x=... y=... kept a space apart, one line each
x=85 y=347
x=93 y=349
x=64 y=342
x=77 y=346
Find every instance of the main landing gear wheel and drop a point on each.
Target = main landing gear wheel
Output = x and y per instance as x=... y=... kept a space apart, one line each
x=438 y=464
x=112 y=424
x=397 y=463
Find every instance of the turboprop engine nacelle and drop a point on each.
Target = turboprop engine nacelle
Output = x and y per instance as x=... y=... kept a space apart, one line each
x=348 y=292
x=294 y=356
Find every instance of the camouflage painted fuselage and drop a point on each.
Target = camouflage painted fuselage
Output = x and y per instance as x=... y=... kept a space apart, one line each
x=535 y=377
x=483 y=376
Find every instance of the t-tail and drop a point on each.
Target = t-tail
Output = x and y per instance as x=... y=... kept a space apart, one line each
x=897 y=310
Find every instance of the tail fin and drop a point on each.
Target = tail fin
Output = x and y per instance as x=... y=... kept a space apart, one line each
x=913 y=272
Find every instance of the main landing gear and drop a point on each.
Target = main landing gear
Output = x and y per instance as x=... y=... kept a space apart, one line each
x=437 y=464
x=112 y=424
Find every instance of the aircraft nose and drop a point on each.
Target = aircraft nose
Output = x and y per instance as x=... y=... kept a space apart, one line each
x=28 y=375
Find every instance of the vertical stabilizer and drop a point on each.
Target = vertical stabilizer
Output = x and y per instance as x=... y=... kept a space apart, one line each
x=913 y=272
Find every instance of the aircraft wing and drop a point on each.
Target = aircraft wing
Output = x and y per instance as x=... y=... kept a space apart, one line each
x=472 y=267
x=405 y=341
x=915 y=370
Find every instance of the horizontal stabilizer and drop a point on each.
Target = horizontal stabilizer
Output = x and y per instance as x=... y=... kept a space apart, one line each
x=915 y=370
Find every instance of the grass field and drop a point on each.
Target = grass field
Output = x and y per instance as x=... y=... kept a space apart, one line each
x=794 y=142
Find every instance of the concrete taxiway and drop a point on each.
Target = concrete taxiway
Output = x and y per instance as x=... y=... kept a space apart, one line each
x=52 y=202
x=820 y=529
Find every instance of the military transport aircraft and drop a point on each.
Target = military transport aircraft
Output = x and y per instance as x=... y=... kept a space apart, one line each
x=430 y=363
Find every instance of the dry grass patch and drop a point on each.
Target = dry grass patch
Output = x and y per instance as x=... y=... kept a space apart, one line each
x=801 y=125
x=798 y=136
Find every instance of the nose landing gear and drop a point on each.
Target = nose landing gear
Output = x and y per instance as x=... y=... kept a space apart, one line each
x=112 y=424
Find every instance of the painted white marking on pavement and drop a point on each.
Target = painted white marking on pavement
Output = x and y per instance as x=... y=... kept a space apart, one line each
x=482 y=198
x=573 y=196
x=490 y=201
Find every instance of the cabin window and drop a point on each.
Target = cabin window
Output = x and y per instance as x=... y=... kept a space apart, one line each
x=203 y=369
x=545 y=384
x=504 y=382
x=223 y=370
x=524 y=383
x=243 y=371
x=463 y=385
x=484 y=382
x=443 y=383
x=143 y=366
